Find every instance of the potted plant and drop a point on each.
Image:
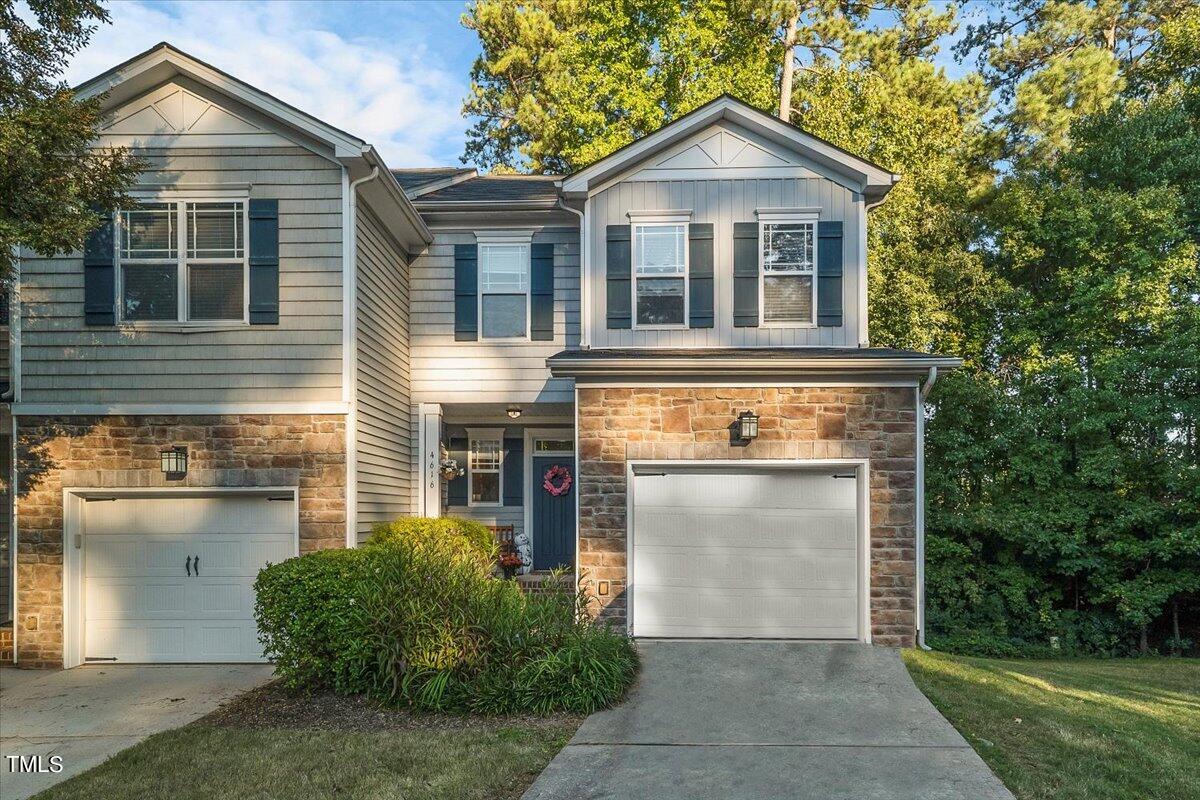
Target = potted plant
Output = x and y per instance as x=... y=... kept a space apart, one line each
x=510 y=562
x=450 y=469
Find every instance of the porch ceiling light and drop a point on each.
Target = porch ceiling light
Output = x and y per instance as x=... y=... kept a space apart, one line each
x=747 y=426
x=514 y=412
x=173 y=462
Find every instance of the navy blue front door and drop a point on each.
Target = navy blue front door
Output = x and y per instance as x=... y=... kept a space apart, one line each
x=553 y=517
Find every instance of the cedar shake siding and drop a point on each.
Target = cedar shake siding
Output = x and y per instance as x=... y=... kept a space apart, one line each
x=877 y=423
x=116 y=452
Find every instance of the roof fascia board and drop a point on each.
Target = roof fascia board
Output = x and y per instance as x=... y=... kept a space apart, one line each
x=663 y=366
x=145 y=69
x=385 y=192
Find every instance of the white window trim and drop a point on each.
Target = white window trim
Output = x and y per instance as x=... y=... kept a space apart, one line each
x=180 y=202
x=659 y=219
x=522 y=237
x=783 y=216
x=485 y=434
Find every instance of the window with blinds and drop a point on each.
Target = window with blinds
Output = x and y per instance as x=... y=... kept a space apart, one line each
x=659 y=274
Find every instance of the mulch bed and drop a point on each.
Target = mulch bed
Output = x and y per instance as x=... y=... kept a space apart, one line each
x=273 y=707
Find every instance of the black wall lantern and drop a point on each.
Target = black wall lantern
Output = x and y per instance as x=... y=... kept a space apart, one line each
x=747 y=426
x=174 y=462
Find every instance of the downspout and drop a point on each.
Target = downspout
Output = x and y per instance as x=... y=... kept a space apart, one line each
x=12 y=394
x=350 y=342
x=922 y=393
x=584 y=339
x=14 y=332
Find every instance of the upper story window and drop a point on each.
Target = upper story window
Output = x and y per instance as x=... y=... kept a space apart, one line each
x=788 y=261
x=484 y=461
x=660 y=274
x=504 y=289
x=183 y=261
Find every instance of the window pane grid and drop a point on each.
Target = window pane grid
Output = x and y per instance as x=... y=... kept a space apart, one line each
x=788 y=247
x=148 y=233
x=658 y=250
x=484 y=459
x=503 y=290
x=215 y=230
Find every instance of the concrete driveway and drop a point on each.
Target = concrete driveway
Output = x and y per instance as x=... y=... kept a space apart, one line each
x=87 y=714
x=737 y=720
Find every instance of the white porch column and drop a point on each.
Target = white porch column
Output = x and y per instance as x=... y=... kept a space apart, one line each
x=429 y=499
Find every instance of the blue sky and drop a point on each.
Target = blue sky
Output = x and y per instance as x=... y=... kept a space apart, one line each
x=394 y=73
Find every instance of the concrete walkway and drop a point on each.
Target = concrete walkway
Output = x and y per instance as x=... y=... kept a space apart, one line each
x=88 y=714
x=737 y=720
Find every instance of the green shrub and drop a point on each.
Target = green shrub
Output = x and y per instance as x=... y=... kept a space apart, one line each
x=474 y=535
x=311 y=622
x=419 y=620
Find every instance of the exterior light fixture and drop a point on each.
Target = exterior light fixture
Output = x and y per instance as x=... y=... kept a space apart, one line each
x=514 y=412
x=174 y=462
x=747 y=426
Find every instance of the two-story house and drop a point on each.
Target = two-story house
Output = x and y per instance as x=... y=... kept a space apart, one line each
x=655 y=372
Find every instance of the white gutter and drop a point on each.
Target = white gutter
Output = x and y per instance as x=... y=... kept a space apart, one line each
x=349 y=341
x=584 y=335
x=922 y=393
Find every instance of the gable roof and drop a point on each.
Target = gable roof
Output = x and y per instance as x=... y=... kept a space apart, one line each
x=872 y=180
x=163 y=62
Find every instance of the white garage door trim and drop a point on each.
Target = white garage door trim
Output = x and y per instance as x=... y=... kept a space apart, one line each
x=74 y=500
x=861 y=469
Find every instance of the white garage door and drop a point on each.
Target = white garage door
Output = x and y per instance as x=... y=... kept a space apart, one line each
x=171 y=579
x=732 y=552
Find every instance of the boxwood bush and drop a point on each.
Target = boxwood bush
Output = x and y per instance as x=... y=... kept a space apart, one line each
x=420 y=620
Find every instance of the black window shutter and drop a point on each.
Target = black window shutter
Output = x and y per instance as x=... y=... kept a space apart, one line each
x=456 y=488
x=514 y=471
x=700 y=275
x=618 y=273
x=541 y=292
x=466 y=288
x=745 y=274
x=264 y=262
x=829 y=274
x=99 y=274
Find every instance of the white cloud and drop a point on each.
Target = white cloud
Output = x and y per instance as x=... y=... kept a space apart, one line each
x=397 y=95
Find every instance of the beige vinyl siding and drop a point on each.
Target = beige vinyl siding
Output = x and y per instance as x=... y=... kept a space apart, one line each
x=724 y=202
x=447 y=371
x=298 y=360
x=384 y=438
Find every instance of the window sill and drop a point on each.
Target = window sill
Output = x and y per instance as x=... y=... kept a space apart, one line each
x=682 y=327
x=184 y=327
x=787 y=325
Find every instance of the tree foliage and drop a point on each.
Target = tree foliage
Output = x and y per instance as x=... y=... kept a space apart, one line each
x=51 y=177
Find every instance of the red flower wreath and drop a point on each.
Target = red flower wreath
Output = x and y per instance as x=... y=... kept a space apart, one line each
x=557 y=480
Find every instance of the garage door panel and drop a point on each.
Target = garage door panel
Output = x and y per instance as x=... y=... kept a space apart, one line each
x=663 y=611
x=745 y=553
x=765 y=528
x=716 y=568
x=757 y=489
x=144 y=601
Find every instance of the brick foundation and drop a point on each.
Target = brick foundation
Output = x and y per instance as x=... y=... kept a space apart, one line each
x=116 y=452
x=877 y=423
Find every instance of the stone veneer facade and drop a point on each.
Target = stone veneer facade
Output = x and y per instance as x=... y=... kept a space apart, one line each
x=118 y=452
x=878 y=423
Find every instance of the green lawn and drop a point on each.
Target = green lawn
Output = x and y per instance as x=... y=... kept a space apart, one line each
x=398 y=755
x=1075 y=729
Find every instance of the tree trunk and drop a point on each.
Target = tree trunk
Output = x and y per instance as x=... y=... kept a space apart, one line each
x=789 y=67
x=1143 y=643
x=1175 y=643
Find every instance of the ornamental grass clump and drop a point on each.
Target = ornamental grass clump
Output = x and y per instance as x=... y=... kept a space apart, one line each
x=421 y=621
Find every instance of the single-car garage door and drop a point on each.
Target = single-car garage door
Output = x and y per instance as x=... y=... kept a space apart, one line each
x=745 y=552
x=172 y=578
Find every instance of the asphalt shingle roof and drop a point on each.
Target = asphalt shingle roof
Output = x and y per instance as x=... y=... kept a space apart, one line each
x=410 y=179
x=496 y=188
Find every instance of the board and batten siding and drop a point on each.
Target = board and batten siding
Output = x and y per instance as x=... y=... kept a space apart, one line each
x=385 y=444
x=723 y=202
x=298 y=360
x=449 y=371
